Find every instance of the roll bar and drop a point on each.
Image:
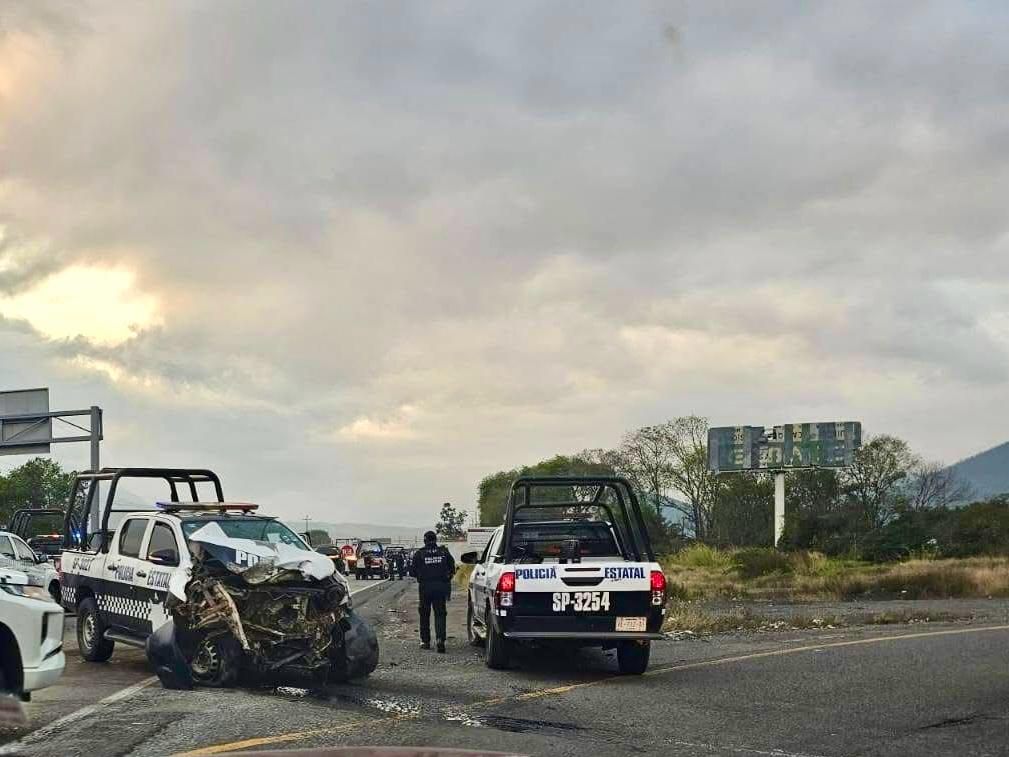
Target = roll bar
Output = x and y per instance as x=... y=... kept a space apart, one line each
x=173 y=476
x=627 y=501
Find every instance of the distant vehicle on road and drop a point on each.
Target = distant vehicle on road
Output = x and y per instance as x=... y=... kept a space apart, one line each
x=336 y=555
x=371 y=562
x=16 y=554
x=576 y=571
x=31 y=635
x=42 y=529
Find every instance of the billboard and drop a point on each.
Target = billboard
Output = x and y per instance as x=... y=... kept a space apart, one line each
x=791 y=446
x=25 y=436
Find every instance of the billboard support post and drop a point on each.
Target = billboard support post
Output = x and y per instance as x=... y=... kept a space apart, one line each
x=779 y=506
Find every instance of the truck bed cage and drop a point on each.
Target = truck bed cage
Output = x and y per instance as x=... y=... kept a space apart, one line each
x=22 y=518
x=172 y=476
x=632 y=530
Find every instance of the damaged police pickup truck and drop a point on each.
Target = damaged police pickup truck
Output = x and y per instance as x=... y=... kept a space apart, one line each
x=210 y=588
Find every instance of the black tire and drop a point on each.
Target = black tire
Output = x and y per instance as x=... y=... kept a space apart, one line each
x=54 y=592
x=632 y=657
x=217 y=662
x=91 y=641
x=474 y=638
x=498 y=654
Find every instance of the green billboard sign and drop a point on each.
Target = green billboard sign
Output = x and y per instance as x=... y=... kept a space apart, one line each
x=791 y=446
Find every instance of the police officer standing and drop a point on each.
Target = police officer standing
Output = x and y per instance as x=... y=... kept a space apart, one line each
x=433 y=567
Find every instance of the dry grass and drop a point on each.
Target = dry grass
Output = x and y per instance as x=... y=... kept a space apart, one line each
x=688 y=617
x=763 y=574
x=462 y=574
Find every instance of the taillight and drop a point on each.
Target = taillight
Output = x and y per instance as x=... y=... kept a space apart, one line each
x=504 y=595
x=658 y=588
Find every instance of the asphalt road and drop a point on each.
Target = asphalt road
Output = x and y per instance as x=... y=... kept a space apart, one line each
x=904 y=690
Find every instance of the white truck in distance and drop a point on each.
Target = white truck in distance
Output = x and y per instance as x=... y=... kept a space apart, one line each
x=573 y=571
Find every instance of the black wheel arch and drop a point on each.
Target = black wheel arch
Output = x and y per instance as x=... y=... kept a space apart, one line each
x=10 y=660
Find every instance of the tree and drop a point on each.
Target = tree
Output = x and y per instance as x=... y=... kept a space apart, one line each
x=450 y=522
x=40 y=482
x=874 y=482
x=743 y=511
x=492 y=495
x=672 y=459
x=933 y=484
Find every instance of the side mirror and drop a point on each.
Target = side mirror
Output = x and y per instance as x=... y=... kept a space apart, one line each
x=41 y=558
x=167 y=557
x=470 y=558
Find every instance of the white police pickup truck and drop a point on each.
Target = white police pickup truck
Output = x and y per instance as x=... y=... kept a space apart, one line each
x=15 y=553
x=31 y=635
x=209 y=585
x=575 y=567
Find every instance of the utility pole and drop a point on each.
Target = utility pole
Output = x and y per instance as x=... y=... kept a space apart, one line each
x=306 y=524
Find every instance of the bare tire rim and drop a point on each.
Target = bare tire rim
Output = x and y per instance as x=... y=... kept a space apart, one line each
x=207 y=662
x=89 y=631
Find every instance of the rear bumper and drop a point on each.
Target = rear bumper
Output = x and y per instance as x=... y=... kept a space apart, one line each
x=586 y=636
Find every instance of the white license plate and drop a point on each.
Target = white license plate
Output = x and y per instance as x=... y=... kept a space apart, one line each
x=632 y=624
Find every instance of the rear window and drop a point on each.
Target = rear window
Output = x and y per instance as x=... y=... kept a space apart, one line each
x=546 y=539
x=371 y=547
x=270 y=531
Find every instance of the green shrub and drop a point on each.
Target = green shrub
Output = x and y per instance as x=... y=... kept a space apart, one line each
x=703 y=556
x=760 y=561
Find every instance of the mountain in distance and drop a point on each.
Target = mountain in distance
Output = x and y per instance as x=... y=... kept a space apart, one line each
x=361 y=530
x=987 y=472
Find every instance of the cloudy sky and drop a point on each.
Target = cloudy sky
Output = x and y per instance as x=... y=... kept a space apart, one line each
x=356 y=256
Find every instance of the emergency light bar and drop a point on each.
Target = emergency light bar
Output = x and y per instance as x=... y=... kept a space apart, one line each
x=205 y=507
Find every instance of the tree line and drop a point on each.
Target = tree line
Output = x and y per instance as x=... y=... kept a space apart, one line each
x=836 y=511
x=39 y=483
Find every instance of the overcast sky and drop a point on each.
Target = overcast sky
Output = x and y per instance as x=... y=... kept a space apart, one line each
x=355 y=256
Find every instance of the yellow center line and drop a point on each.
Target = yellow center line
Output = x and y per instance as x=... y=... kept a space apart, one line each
x=559 y=690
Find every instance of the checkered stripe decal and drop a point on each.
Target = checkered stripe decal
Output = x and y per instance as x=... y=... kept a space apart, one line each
x=69 y=594
x=124 y=606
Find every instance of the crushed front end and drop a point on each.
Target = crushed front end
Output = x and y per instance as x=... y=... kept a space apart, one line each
x=267 y=615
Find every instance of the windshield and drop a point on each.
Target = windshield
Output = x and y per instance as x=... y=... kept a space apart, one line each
x=541 y=540
x=257 y=529
x=370 y=547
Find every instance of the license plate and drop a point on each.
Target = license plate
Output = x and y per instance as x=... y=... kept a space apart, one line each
x=632 y=624
x=581 y=601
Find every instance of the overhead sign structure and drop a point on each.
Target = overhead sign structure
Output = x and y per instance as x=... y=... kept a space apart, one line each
x=778 y=449
x=25 y=425
x=733 y=449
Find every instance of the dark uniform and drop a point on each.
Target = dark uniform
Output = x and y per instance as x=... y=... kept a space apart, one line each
x=433 y=567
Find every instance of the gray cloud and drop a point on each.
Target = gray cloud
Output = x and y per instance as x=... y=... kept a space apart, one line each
x=399 y=246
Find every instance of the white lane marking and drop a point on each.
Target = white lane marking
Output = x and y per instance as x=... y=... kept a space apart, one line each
x=73 y=717
x=45 y=731
x=383 y=582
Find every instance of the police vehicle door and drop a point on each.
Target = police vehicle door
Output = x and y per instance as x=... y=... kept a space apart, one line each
x=7 y=556
x=482 y=574
x=27 y=560
x=118 y=601
x=160 y=559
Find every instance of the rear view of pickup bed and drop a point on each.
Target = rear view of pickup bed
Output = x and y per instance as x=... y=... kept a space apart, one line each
x=585 y=576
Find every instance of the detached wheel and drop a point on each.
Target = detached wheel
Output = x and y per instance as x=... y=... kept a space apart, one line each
x=217 y=662
x=498 y=655
x=474 y=638
x=632 y=657
x=91 y=641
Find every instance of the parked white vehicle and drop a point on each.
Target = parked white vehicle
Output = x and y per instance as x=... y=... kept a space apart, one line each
x=16 y=554
x=568 y=570
x=31 y=635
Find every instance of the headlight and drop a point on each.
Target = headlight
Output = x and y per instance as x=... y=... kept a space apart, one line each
x=31 y=592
